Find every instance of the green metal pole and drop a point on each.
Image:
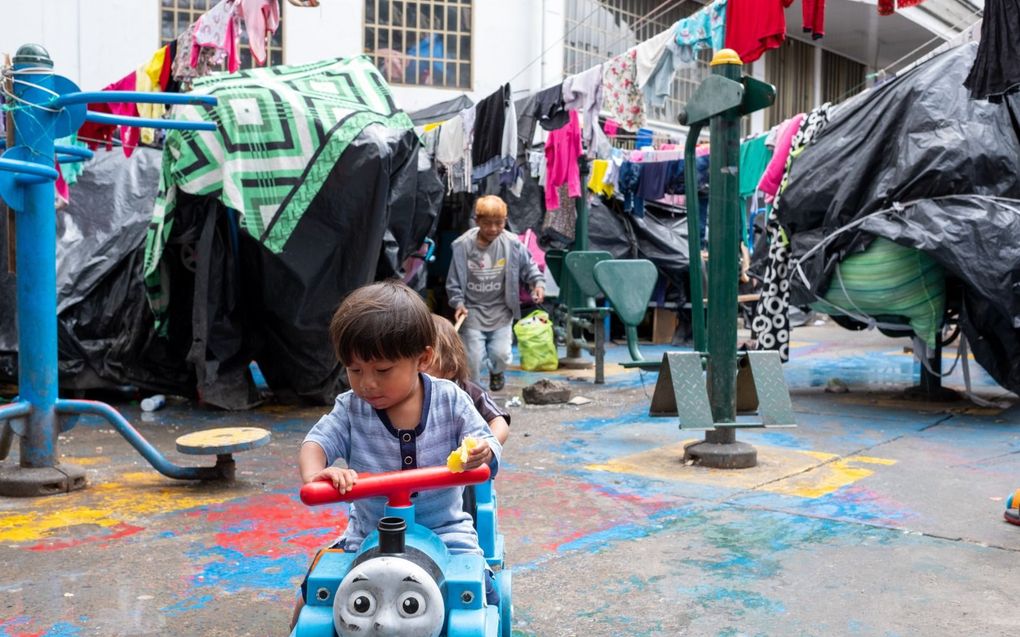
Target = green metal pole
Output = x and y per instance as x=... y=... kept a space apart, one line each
x=723 y=235
x=694 y=236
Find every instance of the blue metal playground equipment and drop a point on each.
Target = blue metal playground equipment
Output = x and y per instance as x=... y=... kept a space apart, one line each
x=45 y=107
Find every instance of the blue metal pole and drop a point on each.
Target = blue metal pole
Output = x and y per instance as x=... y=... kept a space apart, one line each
x=150 y=453
x=36 y=243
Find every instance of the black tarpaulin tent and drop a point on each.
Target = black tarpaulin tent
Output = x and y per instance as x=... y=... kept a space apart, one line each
x=920 y=163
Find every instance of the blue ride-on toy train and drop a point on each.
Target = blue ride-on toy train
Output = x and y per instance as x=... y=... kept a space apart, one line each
x=403 y=581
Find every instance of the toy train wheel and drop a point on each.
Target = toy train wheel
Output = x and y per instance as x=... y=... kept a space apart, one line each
x=504 y=582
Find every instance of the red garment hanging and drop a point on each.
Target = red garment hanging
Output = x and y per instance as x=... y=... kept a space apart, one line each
x=814 y=18
x=755 y=26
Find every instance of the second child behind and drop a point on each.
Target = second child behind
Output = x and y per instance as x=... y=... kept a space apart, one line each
x=486 y=271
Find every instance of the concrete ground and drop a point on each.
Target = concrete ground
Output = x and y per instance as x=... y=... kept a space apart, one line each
x=875 y=516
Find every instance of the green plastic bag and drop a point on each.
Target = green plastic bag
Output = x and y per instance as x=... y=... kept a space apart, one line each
x=536 y=343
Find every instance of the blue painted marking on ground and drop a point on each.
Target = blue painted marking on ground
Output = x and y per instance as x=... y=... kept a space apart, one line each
x=63 y=629
x=187 y=604
x=735 y=601
x=849 y=504
x=234 y=571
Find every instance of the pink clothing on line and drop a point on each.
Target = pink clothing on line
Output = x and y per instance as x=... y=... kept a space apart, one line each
x=561 y=152
x=773 y=175
x=610 y=127
x=216 y=29
x=129 y=135
x=261 y=17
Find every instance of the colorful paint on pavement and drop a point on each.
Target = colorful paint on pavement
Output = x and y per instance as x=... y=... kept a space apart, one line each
x=799 y=472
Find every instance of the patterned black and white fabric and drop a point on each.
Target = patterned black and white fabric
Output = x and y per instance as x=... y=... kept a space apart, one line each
x=771 y=324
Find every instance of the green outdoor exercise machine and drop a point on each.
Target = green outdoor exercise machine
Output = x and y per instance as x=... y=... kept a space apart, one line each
x=681 y=390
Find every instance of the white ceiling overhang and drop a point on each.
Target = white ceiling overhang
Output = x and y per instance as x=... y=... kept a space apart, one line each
x=855 y=30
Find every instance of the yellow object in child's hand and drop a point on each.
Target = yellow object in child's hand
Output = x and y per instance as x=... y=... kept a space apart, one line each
x=455 y=461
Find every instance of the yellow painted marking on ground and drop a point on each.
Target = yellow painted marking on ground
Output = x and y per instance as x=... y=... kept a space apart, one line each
x=84 y=461
x=222 y=436
x=106 y=504
x=807 y=474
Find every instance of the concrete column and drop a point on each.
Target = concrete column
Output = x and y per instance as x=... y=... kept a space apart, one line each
x=758 y=117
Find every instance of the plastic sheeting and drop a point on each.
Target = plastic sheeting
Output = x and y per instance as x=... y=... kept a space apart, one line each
x=918 y=162
x=233 y=301
x=441 y=111
x=104 y=324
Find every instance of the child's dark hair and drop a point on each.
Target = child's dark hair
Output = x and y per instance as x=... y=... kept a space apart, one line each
x=381 y=321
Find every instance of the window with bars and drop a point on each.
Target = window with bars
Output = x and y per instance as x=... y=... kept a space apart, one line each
x=177 y=15
x=598 y=30
x=420 y=42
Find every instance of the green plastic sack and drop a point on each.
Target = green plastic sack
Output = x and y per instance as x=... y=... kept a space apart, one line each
x=536 y=343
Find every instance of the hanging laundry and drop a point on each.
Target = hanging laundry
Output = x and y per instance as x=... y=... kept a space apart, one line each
x=995 y=71
x=450 y=154
x=647 y=54
x=167 y=83
x=643 y=139
x=706 y=28
x=548 y=108
x=614 y=163
x=652 y=185
x=611 y=127
x=755 y=26
x=623 y=98
x=183 y=71
x=468 y=116
x=261 y=20
x=583 y=92
x=494 y=146
x=771 y=324
x=627 y=185
x=562 y=150
x=888 y=7
x=773 y=175
x=596 y=181
x=660 y=83
x=217 y=29
x=813 y=12
x=754 y=158
x=560 y=223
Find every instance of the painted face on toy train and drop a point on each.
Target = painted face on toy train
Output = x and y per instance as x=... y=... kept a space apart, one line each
x=388 y=597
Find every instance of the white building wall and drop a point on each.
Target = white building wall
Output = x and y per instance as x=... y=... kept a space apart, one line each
x=83 y=36
x=88 y=46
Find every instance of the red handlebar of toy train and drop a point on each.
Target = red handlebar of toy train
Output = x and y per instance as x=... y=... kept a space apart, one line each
x=396 y=485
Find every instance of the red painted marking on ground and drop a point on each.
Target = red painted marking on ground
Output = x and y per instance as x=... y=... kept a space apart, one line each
x=115 y=532
x=580 y=506
x=273 y=524
x=9 y=626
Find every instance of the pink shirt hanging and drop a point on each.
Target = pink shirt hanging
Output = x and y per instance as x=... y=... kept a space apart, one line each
x=561 y=152
x=261 y=19
x=770 y=180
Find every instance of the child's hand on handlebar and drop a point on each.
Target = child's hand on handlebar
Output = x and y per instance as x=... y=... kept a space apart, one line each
x=478 y=455
x=342 y=479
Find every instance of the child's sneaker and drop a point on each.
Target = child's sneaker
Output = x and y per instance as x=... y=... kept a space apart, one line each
x=496 y=382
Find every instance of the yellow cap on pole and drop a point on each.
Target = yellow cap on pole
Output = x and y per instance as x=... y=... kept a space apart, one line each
x=725 y=56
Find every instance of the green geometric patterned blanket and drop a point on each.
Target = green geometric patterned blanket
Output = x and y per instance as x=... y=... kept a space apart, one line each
x=280 y=130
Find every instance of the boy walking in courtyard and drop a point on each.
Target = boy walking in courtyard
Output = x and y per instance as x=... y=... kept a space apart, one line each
x=489 y=265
